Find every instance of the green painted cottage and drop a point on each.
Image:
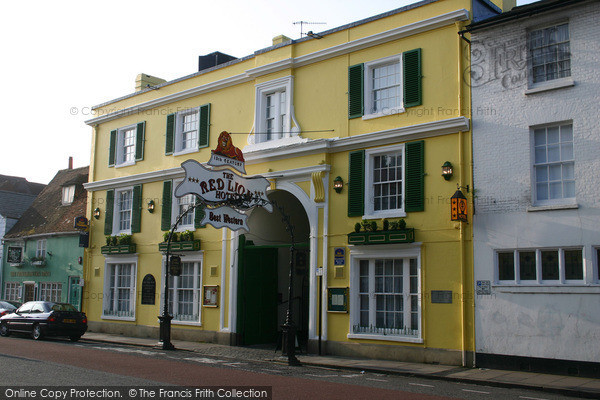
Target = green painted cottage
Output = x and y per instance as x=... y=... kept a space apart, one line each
x=43 y=259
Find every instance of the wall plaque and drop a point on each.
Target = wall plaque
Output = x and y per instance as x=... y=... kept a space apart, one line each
x=441 y=296
x=149 y=290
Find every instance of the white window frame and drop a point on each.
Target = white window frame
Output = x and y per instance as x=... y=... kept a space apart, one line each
x=50 y=291
x=120 y=151
x=556 y=82
x=358 y=253
x=534 y=191
x=538 y=281
x=12 y=291
x=68 y=195
x=118 y=261
x=280 y=85
x=370 y=212
x=175 y=210
x=117 y=212
x=40 y=251
x=179 y=121
x=368 y=89
x=197 y=258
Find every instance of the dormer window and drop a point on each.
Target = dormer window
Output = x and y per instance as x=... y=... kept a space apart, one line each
x=68 y=194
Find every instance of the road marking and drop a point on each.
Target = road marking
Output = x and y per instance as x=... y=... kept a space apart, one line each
x=204 y=360
x=350 y=376
x=124 y=350
x=475 y=391
x=234 y=364
x=271 y=370
x=420 y=384
x=322 y=376
x=532 y=398
x=376 y=380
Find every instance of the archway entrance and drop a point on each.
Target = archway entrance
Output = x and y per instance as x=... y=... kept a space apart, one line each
x=263 y=271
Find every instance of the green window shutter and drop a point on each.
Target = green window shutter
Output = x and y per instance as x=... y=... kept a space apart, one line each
x=136 y=209
x=108 y=214
x=112 y=148
x=165 y=224
x=204 y=126
x=356 y=185
x=170 y=134
x=413 y=95
x=415 y=172
x=355 y=91
x=198 y=216
x=140 y=139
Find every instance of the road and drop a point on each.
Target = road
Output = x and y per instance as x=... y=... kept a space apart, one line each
x=55 y=362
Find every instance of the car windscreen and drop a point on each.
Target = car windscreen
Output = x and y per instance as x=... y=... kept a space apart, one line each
x=7 y=306
x=63 y=307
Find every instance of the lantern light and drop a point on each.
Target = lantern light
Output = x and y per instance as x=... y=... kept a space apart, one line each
x=96 y=213
x=338 y=184
x=447 y=170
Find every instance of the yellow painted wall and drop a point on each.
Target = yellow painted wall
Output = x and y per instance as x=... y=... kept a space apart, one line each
x=320 y=103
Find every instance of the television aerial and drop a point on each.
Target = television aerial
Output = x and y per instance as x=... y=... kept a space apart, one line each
x=302 y=23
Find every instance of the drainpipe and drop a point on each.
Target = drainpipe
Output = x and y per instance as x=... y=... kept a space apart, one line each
x=462 y=255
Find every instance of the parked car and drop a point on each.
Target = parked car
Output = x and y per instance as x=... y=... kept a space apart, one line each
x=45 y=318
x=8 y=306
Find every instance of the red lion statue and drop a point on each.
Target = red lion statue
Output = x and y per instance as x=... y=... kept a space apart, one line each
x=226 y=148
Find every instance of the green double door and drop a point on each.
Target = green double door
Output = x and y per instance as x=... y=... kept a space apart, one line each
x=257 y=295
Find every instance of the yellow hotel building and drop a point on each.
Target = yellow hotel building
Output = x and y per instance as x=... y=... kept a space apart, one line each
x=376 y=107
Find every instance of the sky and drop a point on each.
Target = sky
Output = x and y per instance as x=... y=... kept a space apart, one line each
x=60 y=58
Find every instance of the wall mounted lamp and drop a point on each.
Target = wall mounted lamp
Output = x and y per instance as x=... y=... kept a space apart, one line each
x=447 y=170
x=96 y=213
x=151 y=206
x=338 y=184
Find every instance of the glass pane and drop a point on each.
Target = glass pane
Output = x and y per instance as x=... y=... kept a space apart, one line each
x=568 y=171
x=550 y=265
x=553 y=153
x=541 y=173
x=527 y=265
x=364 y=284
x=539 y=136
x=566 y=133
x=506 y=266
x=569 y=189
x=542 y=191
x=556 y=190
x=573 y=265
x=540 y=155
x=553 y=134
x=555 y=172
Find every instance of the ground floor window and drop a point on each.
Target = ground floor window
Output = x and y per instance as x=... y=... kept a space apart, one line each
x=539 y=266
x=119 y=293
x=185 y=292
x=385 y=295
x=12 y=291
x=50 y=291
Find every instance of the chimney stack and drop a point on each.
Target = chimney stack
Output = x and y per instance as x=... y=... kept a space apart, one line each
x=70 y=162
x=145 y=81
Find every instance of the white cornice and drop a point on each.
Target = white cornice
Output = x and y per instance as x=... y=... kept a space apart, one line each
x=252 y=73
x=372 y=139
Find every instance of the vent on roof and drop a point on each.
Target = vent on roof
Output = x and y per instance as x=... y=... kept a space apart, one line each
x=213 y=59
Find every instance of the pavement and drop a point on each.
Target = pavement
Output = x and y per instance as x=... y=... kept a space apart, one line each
x=566 y=385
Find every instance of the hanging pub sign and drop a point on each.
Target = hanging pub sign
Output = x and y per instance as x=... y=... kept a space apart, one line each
x=225 y=217
x=458 y=207
x=226 y=154
x=218 y=186
x=81 y=224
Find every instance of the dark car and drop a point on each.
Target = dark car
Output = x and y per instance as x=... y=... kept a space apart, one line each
x=45 y=318
x=8 y=306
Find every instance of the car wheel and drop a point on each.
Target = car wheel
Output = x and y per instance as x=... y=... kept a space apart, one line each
x=36 y=332
x=4 y=329
x=74 y=338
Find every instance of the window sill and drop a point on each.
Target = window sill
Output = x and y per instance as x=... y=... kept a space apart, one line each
x=566 y=288
x=125 y=164
x=115 y=318
x=553 y=207
x=392 y=111
x=386 y=338
x=188 y=323
x=188 y=151
x=385 y=214
x=552 y=85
